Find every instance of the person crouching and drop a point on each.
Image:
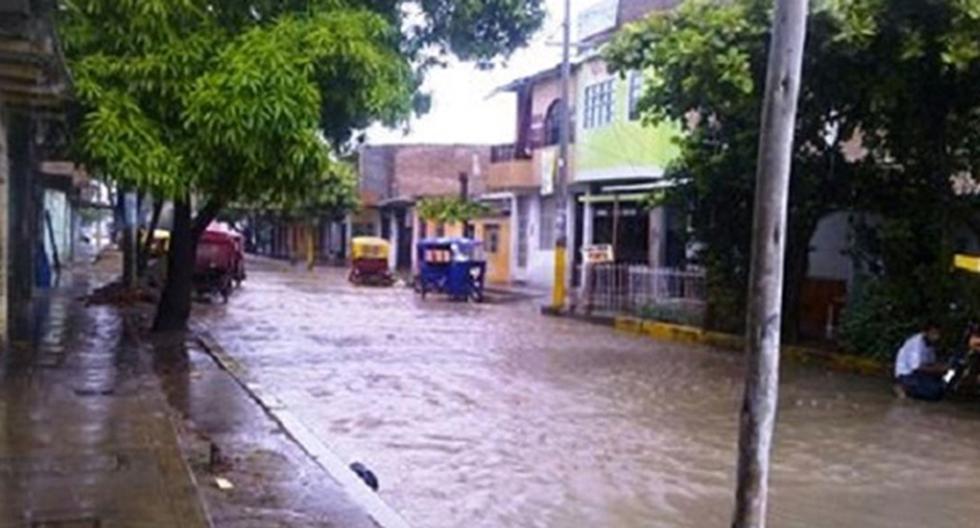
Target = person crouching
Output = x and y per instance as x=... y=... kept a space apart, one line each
x=917 y=373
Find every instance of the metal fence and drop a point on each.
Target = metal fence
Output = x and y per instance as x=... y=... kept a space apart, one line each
x=660 y=293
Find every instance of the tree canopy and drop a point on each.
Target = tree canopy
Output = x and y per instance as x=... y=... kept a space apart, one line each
x=887 y=116
x=232 y=101
x=450 y=209
x=226 y=98
x=705 y=65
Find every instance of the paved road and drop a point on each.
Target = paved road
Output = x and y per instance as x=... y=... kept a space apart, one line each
x=495 y=416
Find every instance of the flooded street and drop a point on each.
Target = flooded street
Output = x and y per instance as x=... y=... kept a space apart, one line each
x=495 y=416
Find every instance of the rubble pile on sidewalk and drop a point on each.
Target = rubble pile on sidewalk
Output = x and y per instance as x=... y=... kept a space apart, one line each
x=116 y=293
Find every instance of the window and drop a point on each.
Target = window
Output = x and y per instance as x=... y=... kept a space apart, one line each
x=552 y=124
x=598 y=104
x=546 y=223
x=635 y=92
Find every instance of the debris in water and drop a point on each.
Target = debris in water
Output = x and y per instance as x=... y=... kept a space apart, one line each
x=216 y=461
x=223 y=483
x=366 y=475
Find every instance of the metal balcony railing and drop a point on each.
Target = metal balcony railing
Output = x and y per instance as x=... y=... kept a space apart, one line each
x=502 y=153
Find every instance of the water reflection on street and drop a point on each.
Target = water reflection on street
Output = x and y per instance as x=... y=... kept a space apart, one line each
x=494 y=416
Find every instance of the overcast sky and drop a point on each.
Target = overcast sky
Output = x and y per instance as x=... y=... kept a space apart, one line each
x=462 y=109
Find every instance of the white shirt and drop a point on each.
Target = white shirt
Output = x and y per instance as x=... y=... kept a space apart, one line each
x=913 y=354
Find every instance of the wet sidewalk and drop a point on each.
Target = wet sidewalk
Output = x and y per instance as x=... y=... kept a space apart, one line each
x=104 y=425
x=86 y=436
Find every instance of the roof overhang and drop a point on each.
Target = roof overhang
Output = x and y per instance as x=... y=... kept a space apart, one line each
x=544 y=75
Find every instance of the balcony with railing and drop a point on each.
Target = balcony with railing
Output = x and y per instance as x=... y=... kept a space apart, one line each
x=509 y=172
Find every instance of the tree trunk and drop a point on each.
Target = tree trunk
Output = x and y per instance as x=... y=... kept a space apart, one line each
x=758 y=414
x=147 y=243
x=174 y=308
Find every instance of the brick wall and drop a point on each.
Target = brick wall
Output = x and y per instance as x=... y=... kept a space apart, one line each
x=429 y=170
x=375 y=168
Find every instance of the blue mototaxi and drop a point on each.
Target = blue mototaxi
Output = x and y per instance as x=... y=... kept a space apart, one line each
x=455 y=266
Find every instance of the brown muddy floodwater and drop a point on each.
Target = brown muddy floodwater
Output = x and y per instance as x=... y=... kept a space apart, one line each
x=494 y=416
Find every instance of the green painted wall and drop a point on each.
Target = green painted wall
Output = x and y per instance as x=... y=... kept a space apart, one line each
x=621 y=144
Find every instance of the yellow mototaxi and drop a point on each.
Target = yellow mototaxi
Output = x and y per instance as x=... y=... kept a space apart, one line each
x=369 y=261
x=969 y=263
x=160 y=243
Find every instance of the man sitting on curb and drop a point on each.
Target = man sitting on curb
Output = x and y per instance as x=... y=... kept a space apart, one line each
x=917 y=373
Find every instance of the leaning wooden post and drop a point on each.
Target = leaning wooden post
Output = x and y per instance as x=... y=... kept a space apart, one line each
x=758 y=414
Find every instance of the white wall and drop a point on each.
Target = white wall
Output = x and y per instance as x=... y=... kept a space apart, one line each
x=540 y=262
x=57 y=208
x=828 y=248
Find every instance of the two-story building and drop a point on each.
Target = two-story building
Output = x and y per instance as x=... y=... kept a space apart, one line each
x=618 y=160
x=615 y=162
x=524 y=173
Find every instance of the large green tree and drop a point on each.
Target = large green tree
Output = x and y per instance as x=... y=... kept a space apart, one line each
x=706 y=65
x=895 y=77
x=922 y=132
x=210 y=102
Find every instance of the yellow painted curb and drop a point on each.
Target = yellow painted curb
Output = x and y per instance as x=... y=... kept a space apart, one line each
x=690 y=334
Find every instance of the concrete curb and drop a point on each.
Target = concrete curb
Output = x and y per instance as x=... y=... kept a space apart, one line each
x=690 y=334
x=383 y=515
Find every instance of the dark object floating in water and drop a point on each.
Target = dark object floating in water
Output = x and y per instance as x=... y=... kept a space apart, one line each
x=365 y=474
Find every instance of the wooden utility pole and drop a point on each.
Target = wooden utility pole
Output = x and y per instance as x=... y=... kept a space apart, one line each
x=758 y=415
x=561 y=186
x=4 y=222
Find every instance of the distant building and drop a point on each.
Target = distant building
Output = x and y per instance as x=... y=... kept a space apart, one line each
x=393 y=178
